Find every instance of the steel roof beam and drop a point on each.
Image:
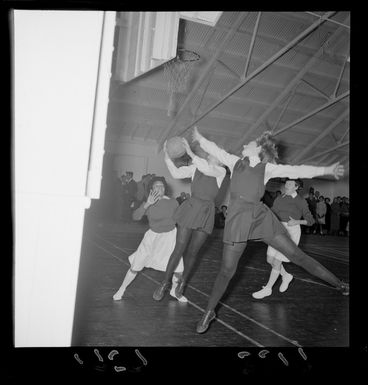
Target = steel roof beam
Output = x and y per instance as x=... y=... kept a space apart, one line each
x=229 y=69
x=316 y=89
x=314 y=112
x=204 y=91
x=285 y=107
x=326 y=152
x=258 y=70
x=289 y=87
x=320 y=136
x=340 y=77
x=324 y=157
x=330 y=20
x=201 y=78
x=342 y=138
x=251 y=46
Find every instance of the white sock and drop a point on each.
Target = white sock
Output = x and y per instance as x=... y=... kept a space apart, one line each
x=175 y=278
x=283 y=272
x=175 y=281
x=273 y=278
x=129 y=277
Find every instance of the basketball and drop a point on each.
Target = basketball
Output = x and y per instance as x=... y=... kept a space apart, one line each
x=175 y=147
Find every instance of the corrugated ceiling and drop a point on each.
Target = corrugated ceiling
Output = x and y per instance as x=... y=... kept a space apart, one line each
x=140 y=108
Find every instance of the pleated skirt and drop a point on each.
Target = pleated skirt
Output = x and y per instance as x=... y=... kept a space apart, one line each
x=195 y=213
x=246 y=220
x=154 y=251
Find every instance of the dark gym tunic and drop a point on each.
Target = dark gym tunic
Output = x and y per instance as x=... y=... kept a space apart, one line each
x=198 y=212
x=248 y=217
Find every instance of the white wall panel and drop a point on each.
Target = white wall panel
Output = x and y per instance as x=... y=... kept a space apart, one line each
x=56 y=55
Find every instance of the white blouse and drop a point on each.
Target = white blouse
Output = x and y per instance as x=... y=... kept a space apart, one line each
x=198 y=163
x=271 y=170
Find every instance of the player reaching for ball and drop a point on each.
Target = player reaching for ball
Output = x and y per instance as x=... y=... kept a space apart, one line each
x=175 y=147
x=196 y=216
x=248 y=218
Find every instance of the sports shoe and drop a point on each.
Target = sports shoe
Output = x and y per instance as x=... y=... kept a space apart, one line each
x=204 y=323
x=344 y=288
x=117 y=296
x=265 y=292
x=285 y=282
x=160 y=291
x=180 y=298
x=179 y=288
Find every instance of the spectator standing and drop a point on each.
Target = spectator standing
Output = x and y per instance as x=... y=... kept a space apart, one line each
x=141 y=191
x=312 y=205
x=320 y=214
x=335 y=216
x=130 y=196
x=328 y=215
x=344 y=215
x=119 y=197
x=125 y=215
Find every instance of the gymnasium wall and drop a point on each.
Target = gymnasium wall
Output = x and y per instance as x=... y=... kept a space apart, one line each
x=327 y=188
x=141 y=157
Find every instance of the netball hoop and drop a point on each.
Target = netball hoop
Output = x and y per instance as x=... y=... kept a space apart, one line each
x=177 y=72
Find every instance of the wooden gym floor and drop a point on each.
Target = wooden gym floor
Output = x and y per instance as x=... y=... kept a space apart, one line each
x=309 y=314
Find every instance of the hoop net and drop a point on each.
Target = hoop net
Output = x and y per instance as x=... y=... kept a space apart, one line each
x=177 y=72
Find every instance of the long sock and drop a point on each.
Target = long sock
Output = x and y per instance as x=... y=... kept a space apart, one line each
x=273 y=278
x=287 y=247
x=129 y=277
x=230 y=258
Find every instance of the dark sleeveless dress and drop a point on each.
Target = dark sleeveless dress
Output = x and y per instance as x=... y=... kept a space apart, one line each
x=247 y=217
x=198 y=212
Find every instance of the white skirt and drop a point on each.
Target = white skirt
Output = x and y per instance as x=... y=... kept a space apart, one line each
x=295 y=233
x=154 y=251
